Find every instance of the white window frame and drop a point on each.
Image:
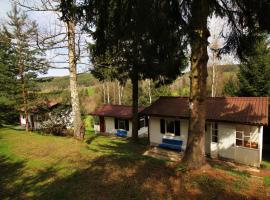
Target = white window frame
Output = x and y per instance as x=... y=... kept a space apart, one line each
x=144 y=123
x=213 y=130
x=242 y=138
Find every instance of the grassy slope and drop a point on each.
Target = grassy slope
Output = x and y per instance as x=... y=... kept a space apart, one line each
x=34 y=166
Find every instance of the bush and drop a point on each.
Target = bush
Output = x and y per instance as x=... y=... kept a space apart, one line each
x=58 y=122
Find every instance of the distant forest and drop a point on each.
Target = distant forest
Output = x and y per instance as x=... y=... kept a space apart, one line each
x=93 y=92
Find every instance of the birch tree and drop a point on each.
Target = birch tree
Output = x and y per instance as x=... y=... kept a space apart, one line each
x=64 y=36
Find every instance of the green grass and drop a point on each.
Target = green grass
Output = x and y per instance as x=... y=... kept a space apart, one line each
x=212 y=186
x=266 y=181
x=265 y=164
x=35 y=166
x=232 y=171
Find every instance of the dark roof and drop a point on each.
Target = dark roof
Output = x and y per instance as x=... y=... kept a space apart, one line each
x=247 y=110
x=118 y=111
x=42 y=106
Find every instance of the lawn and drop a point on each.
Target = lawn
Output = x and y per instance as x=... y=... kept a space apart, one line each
x=34 y=166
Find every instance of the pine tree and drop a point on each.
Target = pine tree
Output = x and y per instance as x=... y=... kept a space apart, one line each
x=138 y=38
x=8 y=82
x=254 y=74
x=190 y=17
x=29 y=59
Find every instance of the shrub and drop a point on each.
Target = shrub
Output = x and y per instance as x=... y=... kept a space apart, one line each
x=58 y=121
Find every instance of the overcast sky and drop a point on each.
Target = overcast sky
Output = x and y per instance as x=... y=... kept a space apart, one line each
x=45 y=20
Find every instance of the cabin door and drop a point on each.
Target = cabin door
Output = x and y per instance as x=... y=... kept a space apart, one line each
x=32 y=125
x=102 y=124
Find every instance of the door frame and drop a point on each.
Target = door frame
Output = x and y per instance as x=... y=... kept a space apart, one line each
x=102 y=126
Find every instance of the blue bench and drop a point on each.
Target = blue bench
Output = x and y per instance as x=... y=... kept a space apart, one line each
x=171 y=144
x=121 y=133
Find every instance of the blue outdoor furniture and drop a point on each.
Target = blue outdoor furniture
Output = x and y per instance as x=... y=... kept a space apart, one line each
x=121 y=133
x=171 y=144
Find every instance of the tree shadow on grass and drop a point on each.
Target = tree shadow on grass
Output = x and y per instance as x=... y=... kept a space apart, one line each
x=122 y=174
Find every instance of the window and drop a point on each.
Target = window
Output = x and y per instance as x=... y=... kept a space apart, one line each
x=246 y=138
x=121 y=124
x=142 y=122
x=96 y=120
x=171 y=127
x=214 y=132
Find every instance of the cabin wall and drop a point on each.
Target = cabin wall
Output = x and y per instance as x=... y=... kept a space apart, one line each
x=226 y=145
x=109 y=127
x=156 y=136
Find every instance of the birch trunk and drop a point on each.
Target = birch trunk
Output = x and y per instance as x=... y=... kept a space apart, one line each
x=75 y=103
x=104 y=92
x=24 y=96
x=213 y=77
x=195 y=152
x=120 y=93
x=108 y=92
x=114 y=95
x=24 y=92
x=149 y=91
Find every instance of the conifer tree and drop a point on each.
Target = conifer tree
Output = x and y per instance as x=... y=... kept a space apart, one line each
x=254 y=73
x=8 y=82
x=29 y=59
x=121 y=23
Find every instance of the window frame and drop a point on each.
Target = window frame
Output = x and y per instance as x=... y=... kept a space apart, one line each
x=174 y=127
x=243 y=140
x=166 y=126
x=123 y=121
x=214 y=132
x=96 y=120
x=144 y=122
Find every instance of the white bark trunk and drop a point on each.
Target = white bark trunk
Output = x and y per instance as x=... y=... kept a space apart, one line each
x=108 y=93
x=149 y=91
x=119 y=93
x=75 y=103
x=213 y=77
x=104 y=92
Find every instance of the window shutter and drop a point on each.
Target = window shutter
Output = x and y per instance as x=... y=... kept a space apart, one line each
x=127 y=124
x=162 y=126
x=115 y=123
x=177 y=127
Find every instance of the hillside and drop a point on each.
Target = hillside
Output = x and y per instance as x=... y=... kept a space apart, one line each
x=93 y=93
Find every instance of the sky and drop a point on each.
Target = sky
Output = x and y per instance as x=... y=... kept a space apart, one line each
x=45 y=21
x=5 y=7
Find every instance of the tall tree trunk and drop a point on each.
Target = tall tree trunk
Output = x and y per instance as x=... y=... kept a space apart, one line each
x=114 y=93
x=195 y=152
x=120 y=93
x=135 y=116
x=104 y=92
x=75 y=102
x=149 y=91
x=108 y=92
x=24 y=92
x=213 y=93
x=25 y=100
